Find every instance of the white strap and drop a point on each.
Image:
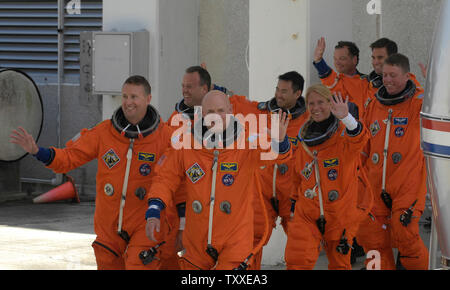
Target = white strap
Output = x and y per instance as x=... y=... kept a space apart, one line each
x=385 y=151
x=336 y=80
x=316 y=169
x=154 y=206
x=213 y=196
x=274 y=182
x=182 y=224
x=125 y=184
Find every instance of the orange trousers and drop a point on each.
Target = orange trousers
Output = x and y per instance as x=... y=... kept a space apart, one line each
x=113 y=253
x=303 y=248
x=169 y=257
x=385 y=233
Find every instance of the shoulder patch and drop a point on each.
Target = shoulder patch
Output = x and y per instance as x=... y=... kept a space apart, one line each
x=331 y=163
x=400 y=121
x=374 y=128
x=110 y=158
x=147 y=157
x=228 y=166
x=195 y=173
x=294 y=141
x=307 y=171
x=262 y=106
x=366 y=104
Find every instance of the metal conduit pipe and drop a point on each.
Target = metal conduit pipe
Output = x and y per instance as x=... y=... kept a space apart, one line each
x=58 y=179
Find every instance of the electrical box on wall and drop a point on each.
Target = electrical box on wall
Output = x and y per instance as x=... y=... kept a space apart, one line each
x=115 y=57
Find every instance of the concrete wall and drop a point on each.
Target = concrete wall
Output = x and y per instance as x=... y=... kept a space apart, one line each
x=179 y=49
x=332 y=20
x=223 y=40
x=410 y=23
x=364 y=33
x=279 y=37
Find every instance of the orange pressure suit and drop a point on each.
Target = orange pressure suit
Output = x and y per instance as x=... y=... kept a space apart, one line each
x=118 y=220
x=337 y=163
x=355 y=87
x=169 y=258
x=375 y=82
x=231 y=233
x=179 y=119
x=277 y=203
x=405 y=179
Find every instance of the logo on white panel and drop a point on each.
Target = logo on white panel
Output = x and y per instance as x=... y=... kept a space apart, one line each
x=374 y=7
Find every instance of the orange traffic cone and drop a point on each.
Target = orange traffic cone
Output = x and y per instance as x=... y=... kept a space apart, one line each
x=65 y=191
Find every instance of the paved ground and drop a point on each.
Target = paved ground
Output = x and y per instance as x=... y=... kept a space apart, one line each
x=46 y=236
x=59 y=236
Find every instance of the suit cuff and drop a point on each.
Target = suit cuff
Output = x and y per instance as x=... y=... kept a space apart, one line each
x=283 y=147
x=322 y=68
x=181 y=210
x=154 y=209
x=45 y=155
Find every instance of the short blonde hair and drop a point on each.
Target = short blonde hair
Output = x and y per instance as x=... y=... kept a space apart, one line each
x=319 y=89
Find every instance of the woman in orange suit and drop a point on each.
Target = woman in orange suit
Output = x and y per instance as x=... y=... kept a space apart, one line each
x=326 y=179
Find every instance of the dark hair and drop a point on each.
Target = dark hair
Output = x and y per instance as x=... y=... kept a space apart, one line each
x=352 y=48
x=139 y=81
x=295 y=78
x=391 y=46
x=399 y=60
x=205 y=77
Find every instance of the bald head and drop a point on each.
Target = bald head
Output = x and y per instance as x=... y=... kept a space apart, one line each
x=216 y=102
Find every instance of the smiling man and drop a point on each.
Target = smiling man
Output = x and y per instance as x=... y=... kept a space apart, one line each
x=289 y=90
x=346 y=80
x=381 y=50
x=195 y=84
x=126 y=147
x=135 y=100
x=396 y=169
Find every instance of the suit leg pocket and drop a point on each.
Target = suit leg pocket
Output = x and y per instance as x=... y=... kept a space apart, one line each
x=107 y=258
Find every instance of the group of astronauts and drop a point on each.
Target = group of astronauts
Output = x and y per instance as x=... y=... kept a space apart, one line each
x=346 y=165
